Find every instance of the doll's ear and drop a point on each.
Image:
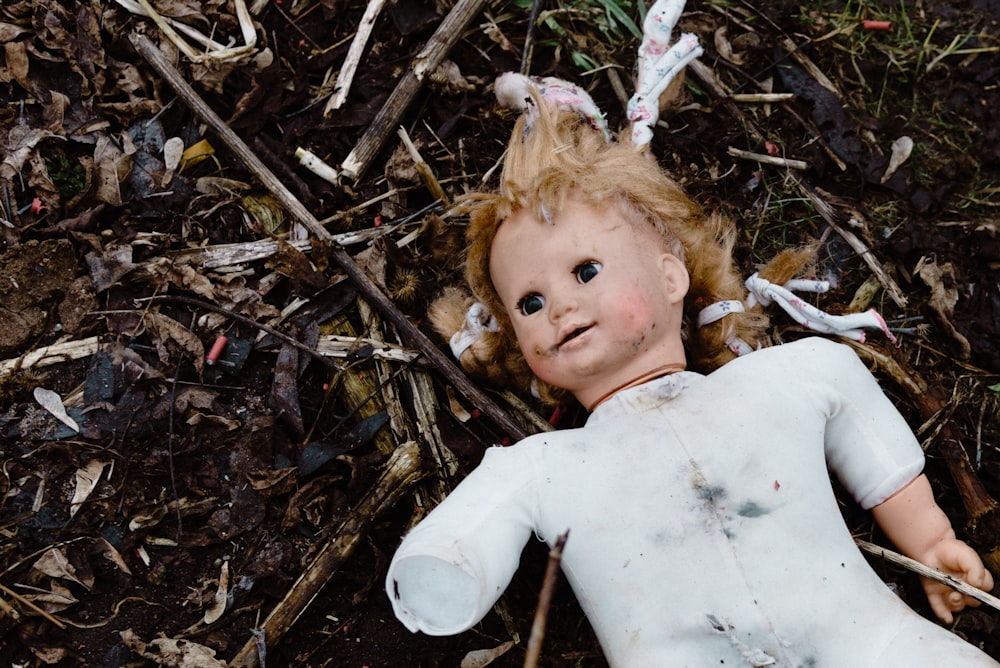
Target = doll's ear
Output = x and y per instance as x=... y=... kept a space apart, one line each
x=677 y=280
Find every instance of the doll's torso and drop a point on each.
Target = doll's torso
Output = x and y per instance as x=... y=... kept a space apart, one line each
x=703 y=525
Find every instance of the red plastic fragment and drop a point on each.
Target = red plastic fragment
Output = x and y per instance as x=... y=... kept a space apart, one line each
x=869 y=24
x=213 y=355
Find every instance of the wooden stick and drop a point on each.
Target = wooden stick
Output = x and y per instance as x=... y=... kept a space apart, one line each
x=364 y=284
x=440 y=43
x=13 y=594
x=54 y=354
x=829 y=215
x=762 y=97
x=927 y=572
x=767 y=159
x=346 y=76
x=534 y=650
x=401 y=473
x=425 y=170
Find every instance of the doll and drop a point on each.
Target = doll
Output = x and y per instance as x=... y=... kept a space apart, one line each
x=704 y=529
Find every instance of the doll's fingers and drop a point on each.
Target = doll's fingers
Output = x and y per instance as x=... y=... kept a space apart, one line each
x=970 y=568
x=940 y=607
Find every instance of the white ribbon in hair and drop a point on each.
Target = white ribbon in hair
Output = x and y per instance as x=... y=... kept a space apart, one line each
x=478 y=320
x=658 y=65
x=762 y=291
x=850 y=325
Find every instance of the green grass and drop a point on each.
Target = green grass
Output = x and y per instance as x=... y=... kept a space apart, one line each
x=590 y=31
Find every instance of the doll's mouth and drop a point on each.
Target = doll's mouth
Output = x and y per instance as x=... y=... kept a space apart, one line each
x=573 y=334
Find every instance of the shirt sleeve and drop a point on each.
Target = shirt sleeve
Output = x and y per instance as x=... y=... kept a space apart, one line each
x=869 y=445
x=454 y=565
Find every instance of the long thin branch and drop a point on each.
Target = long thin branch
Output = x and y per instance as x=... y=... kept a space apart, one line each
x=534 y=650
x=927 y=572
x=371 y=292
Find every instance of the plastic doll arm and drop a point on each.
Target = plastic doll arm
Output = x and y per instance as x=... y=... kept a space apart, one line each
x=919 y=528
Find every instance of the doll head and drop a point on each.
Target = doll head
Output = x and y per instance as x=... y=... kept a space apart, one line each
x=561 y=160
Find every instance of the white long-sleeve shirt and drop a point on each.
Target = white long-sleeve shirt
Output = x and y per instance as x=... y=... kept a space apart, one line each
x=704 y=530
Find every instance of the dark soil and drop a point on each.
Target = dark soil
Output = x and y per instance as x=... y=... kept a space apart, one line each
x=200 y=468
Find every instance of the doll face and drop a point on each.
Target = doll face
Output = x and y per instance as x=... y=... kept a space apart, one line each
x=595 y=300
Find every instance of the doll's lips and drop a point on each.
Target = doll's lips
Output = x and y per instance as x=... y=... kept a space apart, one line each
x=572 y=334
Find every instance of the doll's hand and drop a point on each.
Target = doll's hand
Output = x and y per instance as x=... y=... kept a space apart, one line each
x=955 y=558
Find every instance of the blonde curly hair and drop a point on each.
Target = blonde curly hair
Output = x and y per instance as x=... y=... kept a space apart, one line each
x=561 y=155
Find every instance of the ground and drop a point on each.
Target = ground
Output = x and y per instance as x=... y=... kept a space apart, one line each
x=181 y=479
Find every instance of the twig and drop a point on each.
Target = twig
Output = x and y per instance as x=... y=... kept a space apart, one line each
x=28 y=603
x=440 y=43
x=401 y=473
x=768 y=159
x=425 y=170
x=214 y=51
x=346 y=76
x=534 y=649
x=826 y=211
x=927 y=572
x=362 y=282
x=170 y=451
x=762 y=97
x=529 y=39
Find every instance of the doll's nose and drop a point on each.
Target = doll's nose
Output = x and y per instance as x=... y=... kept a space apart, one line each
x=560 y=307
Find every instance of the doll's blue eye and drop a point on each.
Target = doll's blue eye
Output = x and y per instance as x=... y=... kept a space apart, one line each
x=586 y=271
x=531 y=304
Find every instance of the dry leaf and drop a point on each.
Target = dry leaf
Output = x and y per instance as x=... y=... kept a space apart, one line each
x=55 y=563
x=484 y=657
x=201 y=419
x=56 y=600
x=901 y=149
x=944 y=295
x=169 y=331
x=110 y=266
x=173 y=149
x=273 y=482
x=86 y=482
x=218 y=607
x=53 y=403
x=112 y=555
x=171 y=652
x=9 y=32
x=725 y=48
x=111 y=167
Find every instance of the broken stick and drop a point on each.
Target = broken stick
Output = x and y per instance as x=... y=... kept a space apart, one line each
x=401 y=472
x=346 y=76
x=371 y=292
x=440 y=43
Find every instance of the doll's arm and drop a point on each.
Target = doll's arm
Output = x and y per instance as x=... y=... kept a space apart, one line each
x=919 y=528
